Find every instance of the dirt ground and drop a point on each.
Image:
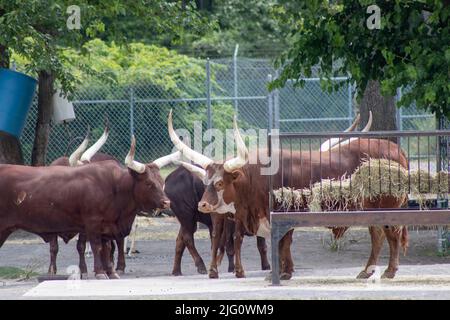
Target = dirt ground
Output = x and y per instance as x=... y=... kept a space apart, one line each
x=313 y=252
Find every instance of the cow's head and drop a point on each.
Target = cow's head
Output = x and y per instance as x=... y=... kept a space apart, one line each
x=219 y=179
x=148 y=188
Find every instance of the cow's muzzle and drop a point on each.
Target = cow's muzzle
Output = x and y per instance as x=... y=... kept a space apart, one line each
x=165 y=204
x=205 y=207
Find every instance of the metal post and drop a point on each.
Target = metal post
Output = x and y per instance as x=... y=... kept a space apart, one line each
x=399 y=110
x=350 y=104
x=131 y=112
x=274 y=241
x=208 y=94
x=235 y=78
x=270 y=107
x=442 y=201
x=276 y=105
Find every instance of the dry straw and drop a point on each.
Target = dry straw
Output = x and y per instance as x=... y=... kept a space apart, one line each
x=374 y=178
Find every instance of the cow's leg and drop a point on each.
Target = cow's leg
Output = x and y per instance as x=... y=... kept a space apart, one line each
x=217 y=234
x=393 y=236
x=179 y=249
x=53 y=253
x=112 y=251
x=81 y=248
x=97 y=248
x=106 y=259
x=188 y=238
x=229 y=243
x=286 y=262
x=262 y=247
x=377 y=239
x=120 y=256
x=238 y=238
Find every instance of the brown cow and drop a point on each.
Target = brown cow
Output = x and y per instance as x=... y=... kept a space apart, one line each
x=100 y=199
x=239 y=187
x=89 y=155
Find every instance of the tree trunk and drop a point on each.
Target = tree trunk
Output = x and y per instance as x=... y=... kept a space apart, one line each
x=383 y=109
x=45 y=110
x=4 y=57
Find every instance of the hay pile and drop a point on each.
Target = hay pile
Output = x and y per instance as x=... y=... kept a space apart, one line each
x=374 y=178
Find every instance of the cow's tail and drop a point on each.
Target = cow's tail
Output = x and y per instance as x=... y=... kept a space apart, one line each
x=404 y=239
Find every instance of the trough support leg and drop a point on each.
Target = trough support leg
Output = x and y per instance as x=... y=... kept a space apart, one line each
x=278 y=231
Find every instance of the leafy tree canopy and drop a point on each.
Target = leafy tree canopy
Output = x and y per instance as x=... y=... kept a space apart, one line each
x=411 y=49
x=37 y=29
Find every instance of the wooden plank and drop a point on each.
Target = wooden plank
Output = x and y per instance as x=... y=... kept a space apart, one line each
x=363 y=218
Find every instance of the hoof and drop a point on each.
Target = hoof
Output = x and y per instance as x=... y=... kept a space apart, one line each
x=364 y=275
x=240 y=274
x=84 y=275
x=231 y=269
x=51 y=272
x=213 y=274
x=120 y=272
x=265 y=267
x=268 y=277
x=285 y=276
x=176 y=273
x=113 y=275
x=202 y=270
x=388 y=275
x=101 y=276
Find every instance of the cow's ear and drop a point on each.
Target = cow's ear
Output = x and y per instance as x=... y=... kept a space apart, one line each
x=236 y=174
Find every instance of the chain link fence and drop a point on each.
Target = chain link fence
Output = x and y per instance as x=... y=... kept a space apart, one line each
x=209 y=99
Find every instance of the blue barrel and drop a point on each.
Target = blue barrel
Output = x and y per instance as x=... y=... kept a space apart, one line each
x=16 y=96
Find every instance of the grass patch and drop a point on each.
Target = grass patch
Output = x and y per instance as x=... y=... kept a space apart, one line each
x=16 y=273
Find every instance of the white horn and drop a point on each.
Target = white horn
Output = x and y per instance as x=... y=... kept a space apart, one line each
x=75 y=156
x=366 y=129
x=87 y=156
x=242 y=152
x=164 y=161
x=369 y=123
x=327 y=145
x=192 y=155
x=199 y=172
x=129 y=160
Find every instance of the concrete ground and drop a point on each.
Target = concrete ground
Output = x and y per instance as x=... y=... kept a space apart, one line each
x=322 y=271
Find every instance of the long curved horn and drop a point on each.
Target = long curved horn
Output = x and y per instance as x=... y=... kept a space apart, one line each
x=96 y=146
x=75 y=156
x=242 y=152
x=164 y=161
x=129 y=160
x=192 y=155
x=366 y=129
x=327 y=145
x=369 y=123
x=199 y=172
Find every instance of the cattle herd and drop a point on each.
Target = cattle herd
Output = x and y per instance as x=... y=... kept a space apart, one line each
x=93 y=195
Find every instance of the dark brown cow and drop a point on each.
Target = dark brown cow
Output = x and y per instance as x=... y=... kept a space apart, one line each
x=100 y=199
x=237 y=186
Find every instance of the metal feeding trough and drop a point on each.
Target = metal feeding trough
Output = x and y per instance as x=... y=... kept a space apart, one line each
x=16 y=96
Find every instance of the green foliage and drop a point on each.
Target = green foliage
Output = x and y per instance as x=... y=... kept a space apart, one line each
x=247 y=23
x=36 y=29
x=408 y=50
